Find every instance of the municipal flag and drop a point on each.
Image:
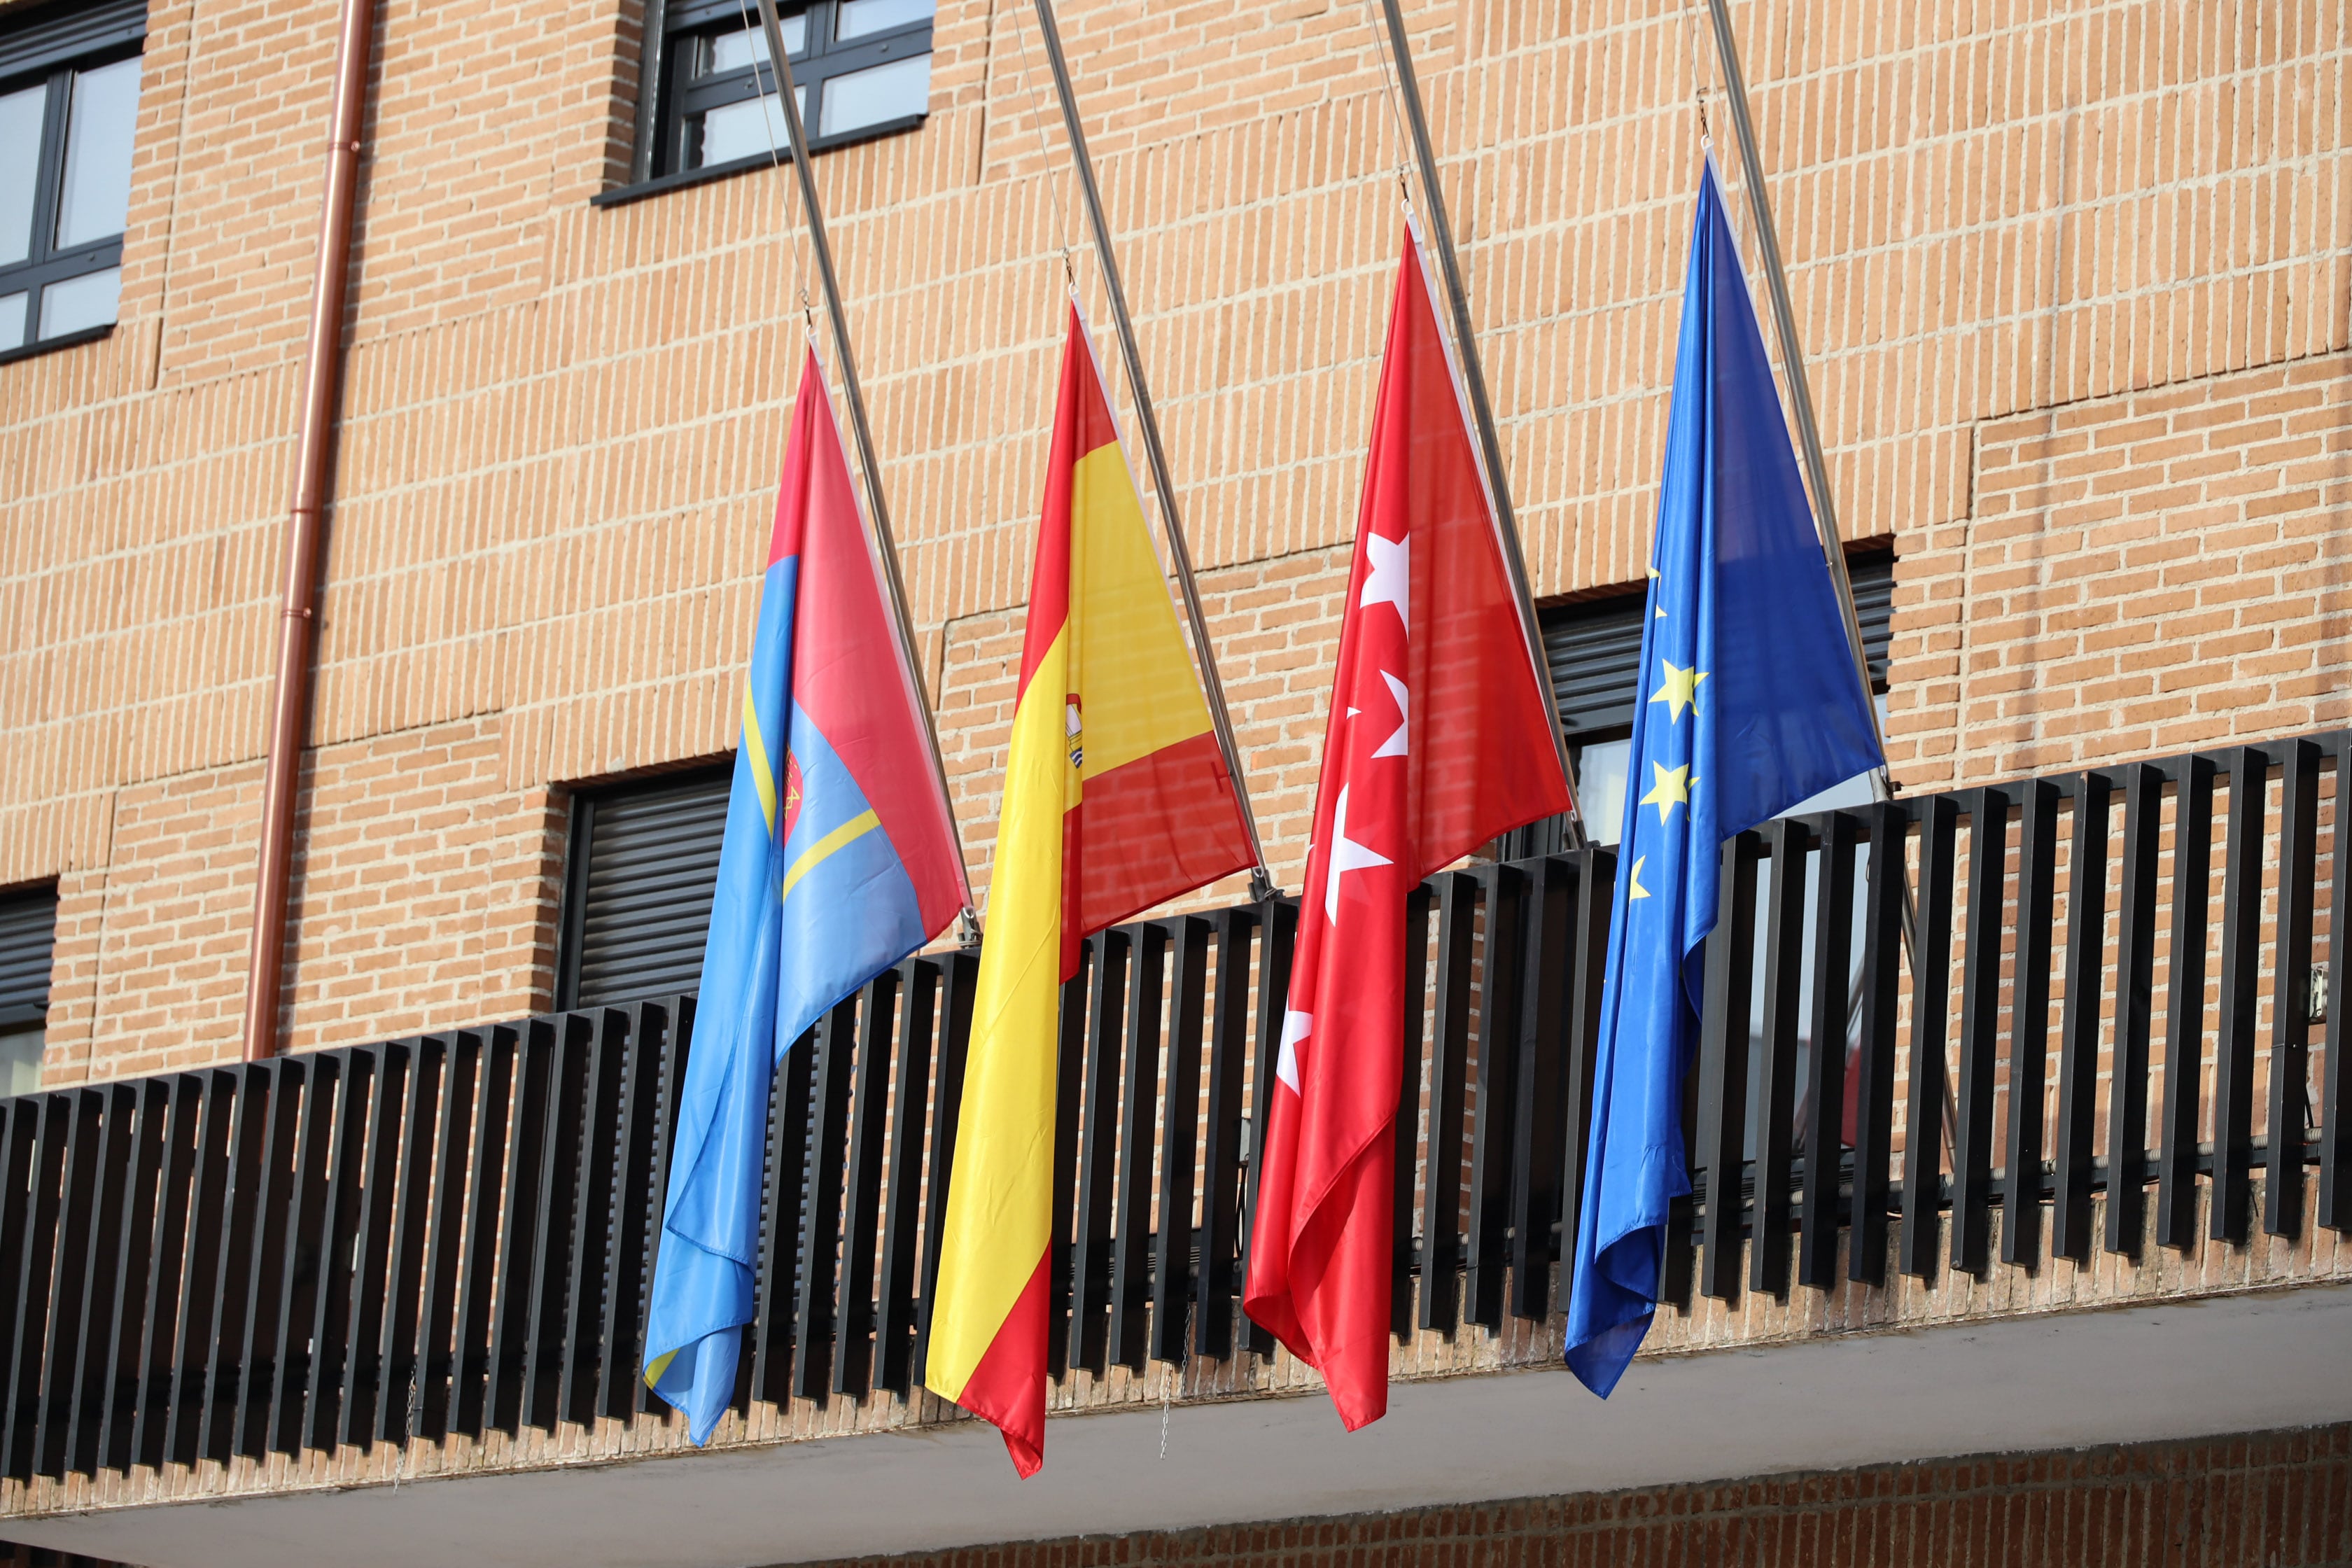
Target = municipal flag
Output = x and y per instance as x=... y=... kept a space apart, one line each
x=839 y=859
x=1437 y=741
x=1750 y=703
x=1115 y=798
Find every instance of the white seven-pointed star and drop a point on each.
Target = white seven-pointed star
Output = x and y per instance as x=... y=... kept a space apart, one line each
x=1395 y=746
x=1346 y=856
x=1295 y=1027
x=1390 y=577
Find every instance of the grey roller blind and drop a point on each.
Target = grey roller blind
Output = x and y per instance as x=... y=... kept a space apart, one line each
x=645 y=861
x=29 y=925
x=49 y=36
x=1594 y=649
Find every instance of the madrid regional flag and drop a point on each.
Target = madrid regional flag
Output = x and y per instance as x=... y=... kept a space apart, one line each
x=1115 y=798
x=839 y=859
x=1438 y=740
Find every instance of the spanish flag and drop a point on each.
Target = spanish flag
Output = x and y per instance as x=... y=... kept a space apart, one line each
x=1115 y=798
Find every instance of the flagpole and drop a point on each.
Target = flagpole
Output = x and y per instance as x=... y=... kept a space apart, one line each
x=1809 y=440
x=1475 y=375
x=1792 y=359
x=1262 y=885
x=788 y=94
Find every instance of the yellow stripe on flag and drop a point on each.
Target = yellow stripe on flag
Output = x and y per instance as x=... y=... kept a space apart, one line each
x=849 y=832
x=999 y=1204
x=1140 y=693
x=763 y=775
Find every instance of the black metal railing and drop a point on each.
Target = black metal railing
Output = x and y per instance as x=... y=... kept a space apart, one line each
x=453 y=1233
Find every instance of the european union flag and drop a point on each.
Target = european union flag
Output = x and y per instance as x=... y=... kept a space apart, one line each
x=839 y=860
x=1749 y=703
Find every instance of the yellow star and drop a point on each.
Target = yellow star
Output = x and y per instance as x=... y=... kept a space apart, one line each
x=1679 y=691
x=1639 y=892
x=1671 y=789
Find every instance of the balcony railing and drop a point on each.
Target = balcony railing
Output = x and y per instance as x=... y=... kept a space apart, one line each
x=453 y=1234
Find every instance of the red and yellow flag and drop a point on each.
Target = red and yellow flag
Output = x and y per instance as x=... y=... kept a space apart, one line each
x=1115 y=798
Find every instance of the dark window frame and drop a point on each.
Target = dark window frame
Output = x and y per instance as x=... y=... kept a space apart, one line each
x=672 y=99
x=49 y=49
x=25 y=992
x=571 y=916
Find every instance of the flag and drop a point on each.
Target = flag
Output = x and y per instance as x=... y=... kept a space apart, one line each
x=839 y=859
x=1749 y=703
x=1115 y=798
x=1437 y=741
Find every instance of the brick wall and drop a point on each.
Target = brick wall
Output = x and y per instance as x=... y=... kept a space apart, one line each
x=559 y=423
x=2140 y=575
x=2279 y=1499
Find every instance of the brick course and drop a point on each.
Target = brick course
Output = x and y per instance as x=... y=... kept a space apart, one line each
x=2280 y=1499
x=2125 y=225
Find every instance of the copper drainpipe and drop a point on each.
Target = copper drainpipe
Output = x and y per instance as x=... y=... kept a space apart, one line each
x=305 y=527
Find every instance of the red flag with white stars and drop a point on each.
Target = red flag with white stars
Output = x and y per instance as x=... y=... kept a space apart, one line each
x=1437 y=741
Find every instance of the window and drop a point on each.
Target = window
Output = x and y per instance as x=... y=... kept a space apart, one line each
x=68 y=106
x=28 y=924
x=638 y=875
x=863 y=68
x=1594 y=651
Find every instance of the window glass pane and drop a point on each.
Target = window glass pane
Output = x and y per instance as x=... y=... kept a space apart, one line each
x=870 y=96
x=12 y=322
x=733 y=51
x=20 y=130
x=20 y=1059
x=1600 y=788
x=88 y=301
x=741 y=130
x=856 y=18
x=95 y=198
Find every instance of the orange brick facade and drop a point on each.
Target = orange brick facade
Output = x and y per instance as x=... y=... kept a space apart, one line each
x=2283 y=1501
x=2075 y=280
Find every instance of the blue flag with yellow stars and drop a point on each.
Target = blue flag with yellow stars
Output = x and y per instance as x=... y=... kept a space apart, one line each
x=1750 y=703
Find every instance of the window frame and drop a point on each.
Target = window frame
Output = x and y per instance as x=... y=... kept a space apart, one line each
x=671 y=95
x=24 y=999
x=49 y=51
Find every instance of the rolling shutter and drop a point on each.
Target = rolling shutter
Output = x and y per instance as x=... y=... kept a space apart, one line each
x=644 y=863
x=29 y=925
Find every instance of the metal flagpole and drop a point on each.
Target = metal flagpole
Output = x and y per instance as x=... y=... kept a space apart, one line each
x=967 y=922
x=1474 y=373
x=1792 y=358
x=1261 y=881
x=1809 y=438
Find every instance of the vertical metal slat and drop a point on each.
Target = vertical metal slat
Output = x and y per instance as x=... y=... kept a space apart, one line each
x=2184 y=1007
x=1772 y=1101
x=2233 y=1057
x=1824 y=1094
x=1971 y=1250
x=1138 y=1094
x=2078 y=1027
x=1449 y=1076
x=2291 y=988
x=1488 y=1255
x=2028 y=1029
x=1180 y=1145
x=853 y=1315
x=2134 y=1007
x=918 y=985
x=1923 y=1126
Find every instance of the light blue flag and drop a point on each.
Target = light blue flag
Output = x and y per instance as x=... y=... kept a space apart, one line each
x=839 y=861
x=1749 y=703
